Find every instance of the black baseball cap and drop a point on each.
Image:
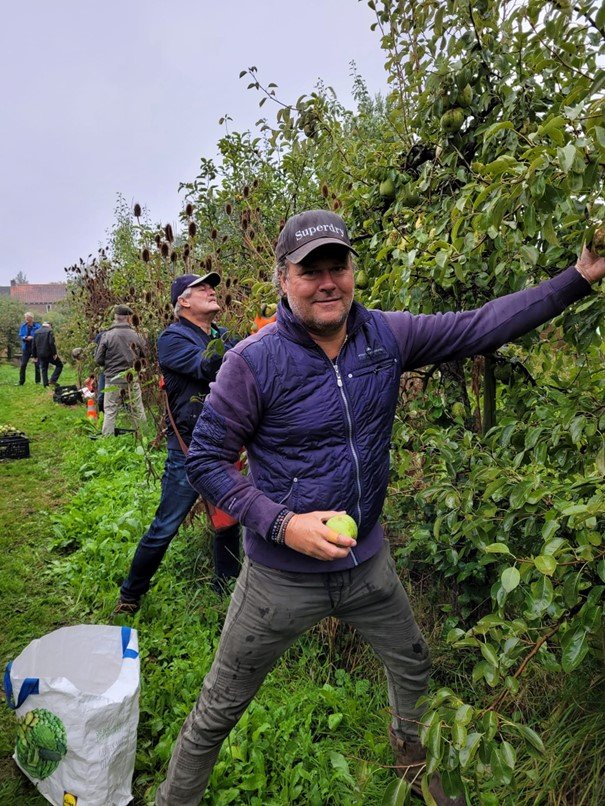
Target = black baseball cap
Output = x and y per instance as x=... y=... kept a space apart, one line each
x=190 y=281
x=307 y=231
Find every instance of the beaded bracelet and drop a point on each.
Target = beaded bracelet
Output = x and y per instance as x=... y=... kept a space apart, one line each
x=278 y=530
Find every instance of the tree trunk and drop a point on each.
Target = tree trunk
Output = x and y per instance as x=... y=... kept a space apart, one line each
x=489 y=394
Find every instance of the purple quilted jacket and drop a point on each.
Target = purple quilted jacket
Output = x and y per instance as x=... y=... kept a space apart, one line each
x=317 y=432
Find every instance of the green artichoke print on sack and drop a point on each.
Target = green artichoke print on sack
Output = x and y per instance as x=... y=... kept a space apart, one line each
x=41 y=743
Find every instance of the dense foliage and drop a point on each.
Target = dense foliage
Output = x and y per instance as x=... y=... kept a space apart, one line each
x=478 y=173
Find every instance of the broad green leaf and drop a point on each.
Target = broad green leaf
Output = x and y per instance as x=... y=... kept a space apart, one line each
x=567 y=156
x=464 y=714
x=470 y=748
x=459 y=735
x=433 y=743
x=531 y=737
x=546 y=564
x=497 y=548
x=489 y=654
x=397 y=793
x=575 y=647
x=500 y=770
x=510 y=578
x=509 y=755
x=334 y=721
x=426 y=793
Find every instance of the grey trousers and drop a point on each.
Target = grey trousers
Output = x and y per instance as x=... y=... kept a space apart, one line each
x=269 y=610
x=113 y=400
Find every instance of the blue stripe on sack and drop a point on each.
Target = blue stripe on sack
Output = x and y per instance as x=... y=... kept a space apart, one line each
x=127 y=653
x=31 y=685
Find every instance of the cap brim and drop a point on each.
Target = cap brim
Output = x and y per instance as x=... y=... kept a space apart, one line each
x=212 y=279
x=302 y=251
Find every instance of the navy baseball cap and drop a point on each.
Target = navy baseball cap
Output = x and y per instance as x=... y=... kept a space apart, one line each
x=307 y=231
x=190 y=281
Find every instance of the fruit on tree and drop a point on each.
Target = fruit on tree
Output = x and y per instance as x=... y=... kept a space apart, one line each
x=344 y=525
x=452 y=120
x=361 y=279
x=597 y=244
x=465 y=96
x=387 y=189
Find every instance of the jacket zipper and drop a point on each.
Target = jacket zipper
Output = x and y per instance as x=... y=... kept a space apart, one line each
x=351 y=443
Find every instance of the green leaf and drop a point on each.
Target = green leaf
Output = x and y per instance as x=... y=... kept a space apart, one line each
x=575 y=647
x=510 y=578
x=426 y=793
x=459 y=735
x=567 y=156
x=549 y=529
x=495 y=128
x=497 y=548
x=546 y=564
x=464 y=714
x=489 y=654
x=397 y=793
x=434 y=744
x=531 y=737
x=468 y=751
x=509 y=756
x=334 y=721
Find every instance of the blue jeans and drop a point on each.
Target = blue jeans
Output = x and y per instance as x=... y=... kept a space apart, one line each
x=177 y=499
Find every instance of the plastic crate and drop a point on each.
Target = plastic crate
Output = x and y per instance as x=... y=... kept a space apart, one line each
x=14 y=448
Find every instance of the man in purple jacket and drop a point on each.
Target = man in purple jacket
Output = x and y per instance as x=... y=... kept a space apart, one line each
x=313 y=398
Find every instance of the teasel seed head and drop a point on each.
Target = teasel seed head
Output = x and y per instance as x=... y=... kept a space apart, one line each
x=135 y=319
x=227 y=282
x=209 y=262
x=228 y=208
x=192 y=229
x=169 y=233
x=137 y=211
x=146 y=255
x=158 y=239
x=214 y=234
x=189 y=209
x=228 y=300
x=246 y=191
x=173 y=256
x=165 y=249
x=148 y=297
x=325 y=190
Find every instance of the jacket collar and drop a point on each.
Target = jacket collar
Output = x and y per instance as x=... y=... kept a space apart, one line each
x=215 y=330
x=291 y=327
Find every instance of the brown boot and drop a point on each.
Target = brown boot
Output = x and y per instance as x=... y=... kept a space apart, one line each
x=410 y=763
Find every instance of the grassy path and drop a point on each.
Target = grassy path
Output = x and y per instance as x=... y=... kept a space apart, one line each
x=30 y=488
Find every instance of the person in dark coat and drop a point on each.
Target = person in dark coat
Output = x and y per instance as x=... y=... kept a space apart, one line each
x=26 y=334
x=44 y=352
x=187 y=372
x=313 y=399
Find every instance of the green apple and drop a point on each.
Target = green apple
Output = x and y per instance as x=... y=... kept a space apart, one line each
x=344 y=525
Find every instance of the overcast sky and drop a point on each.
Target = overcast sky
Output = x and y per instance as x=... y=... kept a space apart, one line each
x=124 y=96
